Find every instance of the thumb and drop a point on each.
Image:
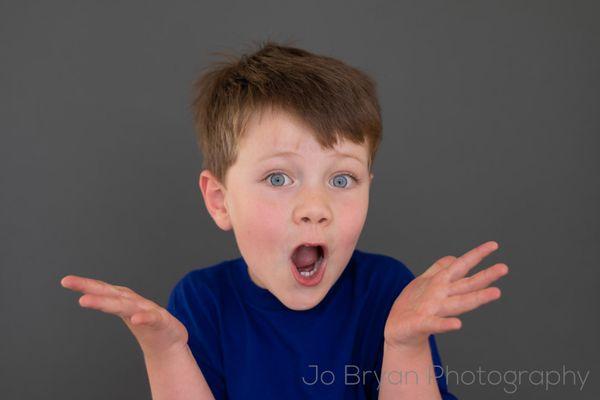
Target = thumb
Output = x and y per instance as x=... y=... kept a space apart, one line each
x=436 y=325
x=439 y=265
x=151 y=318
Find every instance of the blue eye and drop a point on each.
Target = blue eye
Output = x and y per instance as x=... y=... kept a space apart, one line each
x=276 y=178
x=342 y=180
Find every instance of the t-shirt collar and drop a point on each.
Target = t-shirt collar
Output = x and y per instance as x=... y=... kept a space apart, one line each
x=264 y=299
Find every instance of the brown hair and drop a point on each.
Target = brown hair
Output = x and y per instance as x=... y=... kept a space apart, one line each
x=331 y=97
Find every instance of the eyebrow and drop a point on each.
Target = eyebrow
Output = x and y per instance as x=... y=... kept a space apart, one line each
x=291 y=153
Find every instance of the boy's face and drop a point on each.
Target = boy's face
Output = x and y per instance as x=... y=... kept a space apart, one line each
x=276 y=203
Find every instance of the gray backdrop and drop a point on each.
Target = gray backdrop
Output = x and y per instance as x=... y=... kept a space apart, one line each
x=491 y=126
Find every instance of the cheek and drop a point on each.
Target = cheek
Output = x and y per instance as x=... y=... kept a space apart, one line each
x=263 y=223
x=351 y=217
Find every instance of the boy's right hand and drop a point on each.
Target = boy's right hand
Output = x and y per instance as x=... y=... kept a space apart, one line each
x=156 y=330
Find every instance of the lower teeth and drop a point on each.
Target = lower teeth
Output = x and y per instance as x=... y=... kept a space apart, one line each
x=313 y=270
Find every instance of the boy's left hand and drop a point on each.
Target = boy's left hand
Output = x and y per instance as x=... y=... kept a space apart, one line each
x=428 y=303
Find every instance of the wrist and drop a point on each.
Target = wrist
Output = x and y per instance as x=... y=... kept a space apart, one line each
x=407 y=348
x=173 y=351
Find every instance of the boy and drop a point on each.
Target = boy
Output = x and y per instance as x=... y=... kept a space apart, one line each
x=288 y=139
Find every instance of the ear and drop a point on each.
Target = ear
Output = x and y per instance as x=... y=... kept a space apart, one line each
x=371 y=176
x=214 y=193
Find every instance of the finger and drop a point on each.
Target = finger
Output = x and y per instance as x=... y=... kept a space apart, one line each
x=437 y=266
x=480 y=280
x=456 y=305
x=435 y=324
x=92 y=286
x=121 y=306
x=463 y=264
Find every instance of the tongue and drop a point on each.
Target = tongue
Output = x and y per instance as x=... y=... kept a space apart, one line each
x=305 y=256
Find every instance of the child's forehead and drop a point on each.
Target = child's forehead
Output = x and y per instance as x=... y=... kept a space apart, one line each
x=256 y=150
x=281 y=129
x=276 y=132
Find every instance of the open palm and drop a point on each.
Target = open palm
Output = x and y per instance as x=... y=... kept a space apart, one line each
x=430 y=303
x=155 y=329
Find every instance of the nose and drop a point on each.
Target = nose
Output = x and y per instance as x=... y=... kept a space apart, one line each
x=312 y=207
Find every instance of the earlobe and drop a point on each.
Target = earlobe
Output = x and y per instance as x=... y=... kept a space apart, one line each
x=214 y=195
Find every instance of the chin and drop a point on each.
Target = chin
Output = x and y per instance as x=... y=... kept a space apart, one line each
x=306 y=302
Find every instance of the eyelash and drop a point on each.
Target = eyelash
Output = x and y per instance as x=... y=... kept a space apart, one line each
x=266 y=179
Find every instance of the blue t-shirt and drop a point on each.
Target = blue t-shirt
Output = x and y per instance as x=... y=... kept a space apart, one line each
x=249 y=345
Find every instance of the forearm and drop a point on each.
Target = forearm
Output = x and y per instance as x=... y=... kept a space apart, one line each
x=176 y=376
x=408 y=374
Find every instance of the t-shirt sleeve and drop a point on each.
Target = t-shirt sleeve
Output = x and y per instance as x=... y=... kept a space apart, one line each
x=403 y=279
x=192 y=303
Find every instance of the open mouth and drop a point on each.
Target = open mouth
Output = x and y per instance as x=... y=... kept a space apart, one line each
x=308 y=263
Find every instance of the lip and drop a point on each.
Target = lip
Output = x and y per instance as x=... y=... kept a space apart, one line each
x=318 y=276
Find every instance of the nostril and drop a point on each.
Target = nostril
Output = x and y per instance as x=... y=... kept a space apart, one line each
x=307 y=219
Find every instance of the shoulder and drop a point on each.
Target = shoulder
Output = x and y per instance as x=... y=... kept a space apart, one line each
x=207 y=277
x=200 y=286
x=382 y=264
x=382 y=272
